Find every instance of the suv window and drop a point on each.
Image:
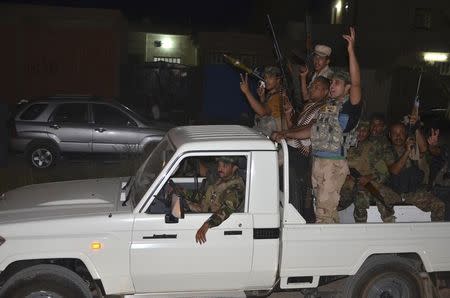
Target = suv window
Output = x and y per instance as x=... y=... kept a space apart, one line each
x=71 y=113
x=33 y=111
x=107 y=115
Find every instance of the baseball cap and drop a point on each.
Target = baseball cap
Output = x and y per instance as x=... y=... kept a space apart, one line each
x=322 y=50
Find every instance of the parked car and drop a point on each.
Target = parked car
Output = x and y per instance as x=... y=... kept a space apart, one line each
x=47 y=128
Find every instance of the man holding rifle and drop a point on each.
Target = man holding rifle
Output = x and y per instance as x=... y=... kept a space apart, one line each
x=367 y=175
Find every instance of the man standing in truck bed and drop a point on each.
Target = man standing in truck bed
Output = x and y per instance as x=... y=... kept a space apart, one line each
x=331 y=136
x=300 y=149
x=268 y=108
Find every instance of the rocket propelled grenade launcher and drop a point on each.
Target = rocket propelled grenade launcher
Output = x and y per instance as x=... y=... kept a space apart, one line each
x=238 y=64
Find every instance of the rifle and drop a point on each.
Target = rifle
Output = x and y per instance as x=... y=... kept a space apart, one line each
x=282 y=64
x=411 y=130
x=369 y=187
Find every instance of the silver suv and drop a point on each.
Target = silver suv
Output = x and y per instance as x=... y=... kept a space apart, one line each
x=46 y=128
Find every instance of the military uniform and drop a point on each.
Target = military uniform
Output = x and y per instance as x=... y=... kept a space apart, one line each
x=367 y=159
x=222 y=198
x=419 y=197
x=331 y=136
x=381 y=143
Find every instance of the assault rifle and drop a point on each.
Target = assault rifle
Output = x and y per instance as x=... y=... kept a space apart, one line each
x=369 y=187
x=415 y=152
x=282 y=64
x=281 y=61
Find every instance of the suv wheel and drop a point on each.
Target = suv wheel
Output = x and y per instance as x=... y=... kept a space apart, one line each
x=42 y=155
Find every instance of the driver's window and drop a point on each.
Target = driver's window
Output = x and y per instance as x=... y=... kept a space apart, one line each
x=202 y=184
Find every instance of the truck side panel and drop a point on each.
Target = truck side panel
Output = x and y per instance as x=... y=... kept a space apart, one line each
x=320 y=250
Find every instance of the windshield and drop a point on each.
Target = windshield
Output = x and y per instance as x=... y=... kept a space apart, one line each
x=147 y=173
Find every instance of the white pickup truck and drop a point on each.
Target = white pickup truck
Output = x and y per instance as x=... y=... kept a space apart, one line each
x=100 y=237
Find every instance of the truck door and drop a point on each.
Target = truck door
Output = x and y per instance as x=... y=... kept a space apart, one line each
x=166 y=258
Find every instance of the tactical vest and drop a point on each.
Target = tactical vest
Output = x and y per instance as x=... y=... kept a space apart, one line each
x=327 y=134
x=214 y=195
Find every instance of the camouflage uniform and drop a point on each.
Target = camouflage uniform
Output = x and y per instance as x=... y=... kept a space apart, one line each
x=222 y=198
x=330 y=142
x=382 y=143
x=422 y=199
x=367 y=159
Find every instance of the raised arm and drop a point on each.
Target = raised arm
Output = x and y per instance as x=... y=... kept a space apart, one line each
x=420 y=138
x=355 y=76
x=303 y=74
x=256 y=105
x=433 y=142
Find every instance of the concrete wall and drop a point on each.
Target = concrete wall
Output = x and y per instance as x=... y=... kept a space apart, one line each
x=182 y=47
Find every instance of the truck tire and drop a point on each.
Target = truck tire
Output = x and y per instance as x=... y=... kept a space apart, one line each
x=45 y=280
x=42 y=155
x=387 y=277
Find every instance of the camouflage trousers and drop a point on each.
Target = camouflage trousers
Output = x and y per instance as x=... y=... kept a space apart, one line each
x=362 y=200
x=328 y=176
x=424 y=200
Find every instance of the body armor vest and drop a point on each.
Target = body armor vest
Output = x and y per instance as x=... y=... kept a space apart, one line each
x=327 y=134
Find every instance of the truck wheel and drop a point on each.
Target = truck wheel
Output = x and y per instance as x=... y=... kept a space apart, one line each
x=385 y=277
x=45 y=281
x=42 y=155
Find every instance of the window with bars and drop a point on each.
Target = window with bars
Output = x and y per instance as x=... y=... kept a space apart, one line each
x=168 y=59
